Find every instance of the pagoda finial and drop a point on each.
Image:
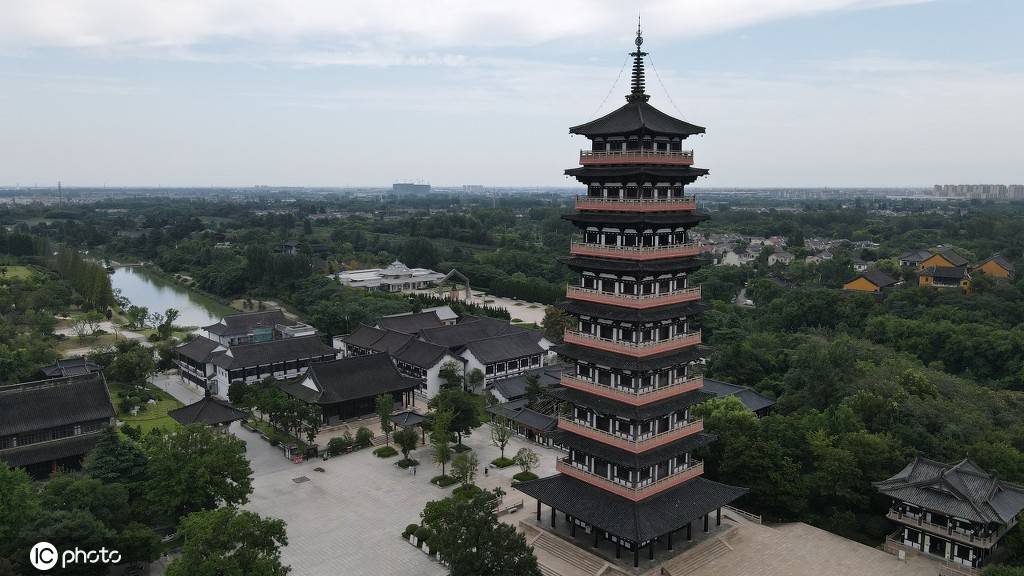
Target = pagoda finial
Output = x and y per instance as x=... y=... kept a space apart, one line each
x=637 y=94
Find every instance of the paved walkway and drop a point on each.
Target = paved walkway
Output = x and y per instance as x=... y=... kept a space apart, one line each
x=184 y=392
x=348 y=518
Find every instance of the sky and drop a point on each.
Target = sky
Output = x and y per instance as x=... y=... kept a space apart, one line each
x=793 y=93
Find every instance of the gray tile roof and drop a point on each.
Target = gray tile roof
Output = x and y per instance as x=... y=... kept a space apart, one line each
x=349 y=379
x=410 y=323
x=70 y=367
x=632 y=459
x=616 y=408
x=198 y=349
x=945 y=272
x=51 y=450
x=210 y=410
x=51 y=403
x=750 y=398
x=998 y=259
x=878 y=278
x=263 y=353
x=963 y=490
x=244 y=322
x=469 y=329
x=637 y=521
x=623 y=362
x=619 y=313
x=505 y=347
x=515 y=387
x=636 y=117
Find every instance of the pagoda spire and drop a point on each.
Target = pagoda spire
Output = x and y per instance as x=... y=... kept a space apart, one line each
x=637 y=94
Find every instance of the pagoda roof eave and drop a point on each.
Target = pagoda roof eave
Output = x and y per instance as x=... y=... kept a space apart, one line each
x=684 y=174
x=652 y=218
x=665 y=266
x=637 y=117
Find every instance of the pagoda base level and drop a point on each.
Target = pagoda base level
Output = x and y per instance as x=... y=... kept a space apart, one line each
x=632 y=529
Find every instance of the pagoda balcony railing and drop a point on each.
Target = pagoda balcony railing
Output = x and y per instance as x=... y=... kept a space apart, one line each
x=640 y=443
x=673 y=157
x=581 y=248
x=645 y=348
x=629 y=490
x=633 y=300
x=918 y=522
x=635 y=204
x=634 y=396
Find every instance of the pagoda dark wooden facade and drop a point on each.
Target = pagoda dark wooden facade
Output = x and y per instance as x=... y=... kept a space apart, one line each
x=633 y=350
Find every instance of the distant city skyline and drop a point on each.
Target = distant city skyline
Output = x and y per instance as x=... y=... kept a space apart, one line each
x=794 y=93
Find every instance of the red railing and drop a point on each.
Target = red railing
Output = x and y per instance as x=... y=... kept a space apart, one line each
x=633 y=300
x=641 y=444
x=637 y=397
x=675 y=157
x=635 y=204
x=646 y=348
x=581 y=248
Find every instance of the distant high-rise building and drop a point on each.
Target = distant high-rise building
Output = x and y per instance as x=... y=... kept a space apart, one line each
x=403 y=188
x=472 y=188
x=980 y=191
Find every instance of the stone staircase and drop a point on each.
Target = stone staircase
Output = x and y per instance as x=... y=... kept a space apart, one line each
x=585 y=562
x=701 y=555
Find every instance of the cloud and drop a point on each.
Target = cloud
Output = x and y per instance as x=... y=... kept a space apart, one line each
x=350 y=32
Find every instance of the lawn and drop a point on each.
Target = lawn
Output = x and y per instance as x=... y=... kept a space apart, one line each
x=155 y=415
x=93 y=342
x=16 y=272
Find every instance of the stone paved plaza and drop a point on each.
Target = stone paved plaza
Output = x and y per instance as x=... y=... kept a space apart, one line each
x=347 y=519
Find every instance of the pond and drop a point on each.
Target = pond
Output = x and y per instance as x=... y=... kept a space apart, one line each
x=143 y=288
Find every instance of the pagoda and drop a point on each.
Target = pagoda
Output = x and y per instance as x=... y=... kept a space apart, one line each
x=633 y=350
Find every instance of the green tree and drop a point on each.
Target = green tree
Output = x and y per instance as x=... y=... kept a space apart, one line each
x=501 y=433
x=463 y=408
x=407 y=440
x=132 y=363
x=194 y=468
x=526 y=459
x=451 y=375
x=439 y=438
x=555 y=323
x=230 y=542
x=533 y=389
x=114 y=459
x=475 y=379
x=468 y=535
x=465 y=466
x=384 y=405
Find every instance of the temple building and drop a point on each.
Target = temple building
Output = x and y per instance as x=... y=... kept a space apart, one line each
x=633 y=351
x=954 y=512
x=51 y=424
x=249 y=347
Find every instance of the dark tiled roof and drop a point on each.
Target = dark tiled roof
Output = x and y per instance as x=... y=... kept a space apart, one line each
x=963 y=490
x=622 y=314
x=685 y=174
x=410 y=323
x=945 y=272
x=915 y=255
x=48 y=451
x=364 y=336
x=623 y=362
x=662 y=266
x=515 y=387
x=651 y=219
x=517 y=411
x=243 y=323
x=998 y=259
x=198 y=349
x=878 y=278
x=616 y=408
x=349 y=379
x=751 y=399
x=953 y=256
x=635 y=117
x=637 y=521
x=70 y=367
x=52 y=403
x=209 y=410
x=407 y=418
x=631 y=459
x=505 y=347
x=420 y=353
x=263 y=353
x=468 y=329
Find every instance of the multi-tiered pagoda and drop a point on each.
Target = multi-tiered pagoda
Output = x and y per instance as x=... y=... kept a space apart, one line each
x=633 y=351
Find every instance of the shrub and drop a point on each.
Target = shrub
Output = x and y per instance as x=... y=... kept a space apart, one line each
x=423 y=535
x=363 y=437
x=410 y=530
x=502 y=462
x=443 y=481
x=385 y=452
x=407 y=462
x=339 y=445
x=525 y=476
x=467 y=491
